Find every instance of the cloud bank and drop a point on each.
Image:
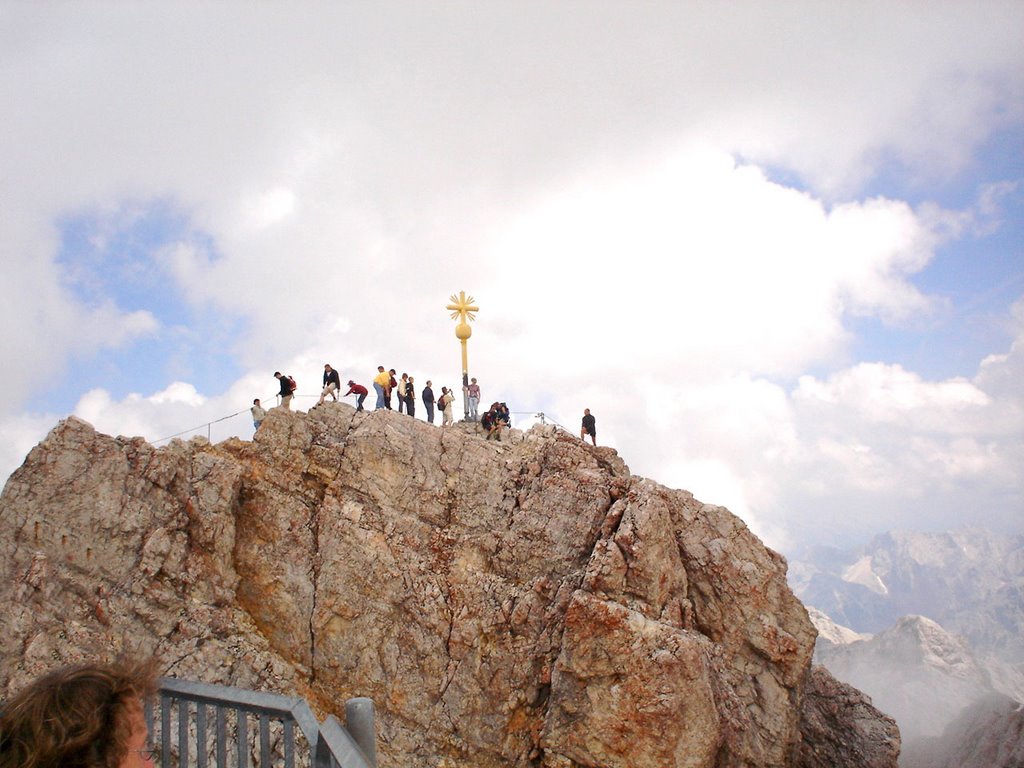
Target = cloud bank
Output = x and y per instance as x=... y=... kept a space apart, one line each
x=668 y=215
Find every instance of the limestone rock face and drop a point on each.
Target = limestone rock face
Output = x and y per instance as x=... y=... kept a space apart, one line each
x=842 y=729
x=524 y=603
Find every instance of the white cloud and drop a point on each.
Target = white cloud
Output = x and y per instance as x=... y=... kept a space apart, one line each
x=571 y=165
x=44 y=324
x=695 y=259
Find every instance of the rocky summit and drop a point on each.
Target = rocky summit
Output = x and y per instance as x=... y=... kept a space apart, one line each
x=520 y=603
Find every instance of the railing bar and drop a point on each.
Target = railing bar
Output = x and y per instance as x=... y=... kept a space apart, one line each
x=339 y=743
x=360 y=723
x=289 y=744
x=257 y=701
x=200 y=735
x=265 y=760
x=165 y=730
x=331 y=745
x=306 y=721
x=243 y=739
x=321 y=757
x=220 y=730
x=183 y=731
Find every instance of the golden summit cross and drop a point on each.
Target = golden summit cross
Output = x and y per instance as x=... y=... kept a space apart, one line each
x=464 y=310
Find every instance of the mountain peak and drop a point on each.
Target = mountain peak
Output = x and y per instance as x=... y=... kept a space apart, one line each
x=521 y=603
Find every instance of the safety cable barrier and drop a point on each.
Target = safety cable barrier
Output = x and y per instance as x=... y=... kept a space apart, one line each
x=544 y=419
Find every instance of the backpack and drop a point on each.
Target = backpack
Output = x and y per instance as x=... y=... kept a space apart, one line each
x=440 y=402
x=291 y=383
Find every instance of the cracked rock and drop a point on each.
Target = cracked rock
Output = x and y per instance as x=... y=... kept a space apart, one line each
x=528 y=603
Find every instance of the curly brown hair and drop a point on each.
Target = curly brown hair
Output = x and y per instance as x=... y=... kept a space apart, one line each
x=75 y=717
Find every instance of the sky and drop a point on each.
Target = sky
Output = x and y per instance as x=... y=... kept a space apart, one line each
x=774 y=247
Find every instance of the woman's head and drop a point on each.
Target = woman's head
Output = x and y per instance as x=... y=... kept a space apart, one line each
x=86 y=716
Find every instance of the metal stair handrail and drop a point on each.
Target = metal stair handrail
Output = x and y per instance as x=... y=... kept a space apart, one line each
x=331 y=744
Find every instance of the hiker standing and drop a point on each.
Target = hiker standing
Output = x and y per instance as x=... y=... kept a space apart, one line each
x=258 y=413
x=391 y=387
x=287 y=389
x=402 y=384
x=332 y=383
x=428 y=401
x=446 y=410
x=410 y=398
x=588 y=427
x=473 y=390
x=380 y=385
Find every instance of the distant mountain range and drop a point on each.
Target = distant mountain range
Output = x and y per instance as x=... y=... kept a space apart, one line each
x=971 y=582
x=946 y=657
x=942 y=697
x=914 y=671
x=988 y=734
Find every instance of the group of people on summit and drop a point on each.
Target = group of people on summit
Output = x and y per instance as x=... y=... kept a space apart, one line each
x=386 y=385
x=496 y=419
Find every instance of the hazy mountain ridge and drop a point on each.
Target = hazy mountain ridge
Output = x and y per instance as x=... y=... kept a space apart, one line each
x=947 y=613
x=970 y=581
x=915 y=671
x=987 y=734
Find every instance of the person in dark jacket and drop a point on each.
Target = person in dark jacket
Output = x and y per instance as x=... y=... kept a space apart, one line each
x=410 y=398
x=332 y=383
x=588 y=427
x=286 y=389
x=392 y=386
x=428 y=402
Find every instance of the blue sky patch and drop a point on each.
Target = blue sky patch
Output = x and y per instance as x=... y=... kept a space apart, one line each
x=115 y=257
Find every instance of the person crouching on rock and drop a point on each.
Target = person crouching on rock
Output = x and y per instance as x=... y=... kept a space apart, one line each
x=360 y=391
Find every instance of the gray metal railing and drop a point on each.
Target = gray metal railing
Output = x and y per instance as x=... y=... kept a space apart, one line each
x=203 y=711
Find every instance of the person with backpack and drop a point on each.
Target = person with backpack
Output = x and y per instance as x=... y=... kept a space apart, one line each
x=392 y=386
x=487 y=423
x=288 y=387
x=441 y=403
x=444 y=403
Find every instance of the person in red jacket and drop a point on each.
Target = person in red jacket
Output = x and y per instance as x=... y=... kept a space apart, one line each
x=356 y=389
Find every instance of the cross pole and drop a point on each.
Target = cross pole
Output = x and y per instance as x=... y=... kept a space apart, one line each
x=464 y=310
